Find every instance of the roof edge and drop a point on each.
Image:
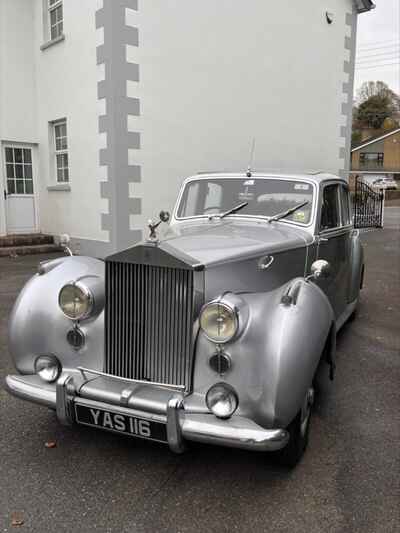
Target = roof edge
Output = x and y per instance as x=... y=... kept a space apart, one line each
x=375 y=139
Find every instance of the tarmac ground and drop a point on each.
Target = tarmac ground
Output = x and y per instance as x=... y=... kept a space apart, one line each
x=348 y=481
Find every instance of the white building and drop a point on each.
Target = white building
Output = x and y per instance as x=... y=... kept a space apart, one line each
x=106 y=105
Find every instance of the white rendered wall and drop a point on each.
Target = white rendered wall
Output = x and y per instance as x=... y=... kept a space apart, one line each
x=67 y=88
x=213 y=75
x=17 y=81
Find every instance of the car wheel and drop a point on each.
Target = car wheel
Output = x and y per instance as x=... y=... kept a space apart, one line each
x=298 y=430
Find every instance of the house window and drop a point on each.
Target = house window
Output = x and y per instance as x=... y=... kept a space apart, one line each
x=371 y=160
x=19 y=170
x=61 y=151
x=56 y=18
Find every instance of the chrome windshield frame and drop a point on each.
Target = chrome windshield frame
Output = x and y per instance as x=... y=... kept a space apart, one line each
x=242 y=216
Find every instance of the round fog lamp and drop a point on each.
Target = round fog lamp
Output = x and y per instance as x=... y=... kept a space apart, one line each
x=76 y=301
x=219 y=322
x=220 y=362
x=222 y=400
x=48 y=367
x=76 y=338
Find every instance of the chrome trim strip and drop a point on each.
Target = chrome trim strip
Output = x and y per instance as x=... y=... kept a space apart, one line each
x=83 y=370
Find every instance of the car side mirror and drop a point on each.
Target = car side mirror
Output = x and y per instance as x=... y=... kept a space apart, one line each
x=320 y=269
x=164 y=216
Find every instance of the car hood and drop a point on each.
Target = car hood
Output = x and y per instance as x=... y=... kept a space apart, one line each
x=216 y=241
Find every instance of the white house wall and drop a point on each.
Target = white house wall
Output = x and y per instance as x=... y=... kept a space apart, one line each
x=17 y=85
x=156 y=90
x=66 y=76
x=210 y=77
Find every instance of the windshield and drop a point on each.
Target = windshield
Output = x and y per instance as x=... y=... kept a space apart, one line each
x=265 y=197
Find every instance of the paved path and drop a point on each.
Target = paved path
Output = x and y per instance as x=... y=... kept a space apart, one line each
x=347 y=482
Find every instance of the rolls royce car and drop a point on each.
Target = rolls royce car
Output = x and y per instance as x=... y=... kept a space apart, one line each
x=216 y=332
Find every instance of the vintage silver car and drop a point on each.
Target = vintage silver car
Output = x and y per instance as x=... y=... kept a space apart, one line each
x=212 y=333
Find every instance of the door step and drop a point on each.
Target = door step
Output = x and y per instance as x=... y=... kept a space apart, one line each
x=27 y=244
x=27 y=239
x=15 y=251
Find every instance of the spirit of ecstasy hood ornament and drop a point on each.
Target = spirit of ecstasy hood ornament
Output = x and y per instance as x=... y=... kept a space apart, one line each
x=164 y=217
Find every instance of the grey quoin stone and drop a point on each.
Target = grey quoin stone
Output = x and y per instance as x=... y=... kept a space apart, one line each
x=117 y=35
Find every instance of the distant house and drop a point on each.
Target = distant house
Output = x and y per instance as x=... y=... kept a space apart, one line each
x=377 y=157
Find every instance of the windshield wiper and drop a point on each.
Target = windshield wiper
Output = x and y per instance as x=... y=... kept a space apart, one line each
x=287 y=212
x=233 y=210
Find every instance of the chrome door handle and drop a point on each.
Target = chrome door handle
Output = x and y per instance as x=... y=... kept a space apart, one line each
x=322 y=239
x=265 y=262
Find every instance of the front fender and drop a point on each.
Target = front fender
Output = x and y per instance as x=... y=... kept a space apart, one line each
x=275 y=358
x=37 y=326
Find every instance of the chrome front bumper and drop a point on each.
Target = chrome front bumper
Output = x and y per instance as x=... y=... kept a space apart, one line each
x=183 y=420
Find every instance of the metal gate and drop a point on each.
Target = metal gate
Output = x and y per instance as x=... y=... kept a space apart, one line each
x=367 y=205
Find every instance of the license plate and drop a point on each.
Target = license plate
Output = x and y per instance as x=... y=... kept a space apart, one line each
x=121 y=423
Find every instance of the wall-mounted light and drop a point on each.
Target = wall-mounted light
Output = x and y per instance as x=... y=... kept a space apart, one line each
x=329 y=17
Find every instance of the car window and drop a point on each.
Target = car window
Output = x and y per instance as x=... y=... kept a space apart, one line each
x=192 y=198
x=265 y=197
x=346 y=219
x=330 y=215
x=214 y=197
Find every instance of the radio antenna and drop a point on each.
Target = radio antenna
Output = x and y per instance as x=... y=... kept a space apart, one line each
x=251 y=160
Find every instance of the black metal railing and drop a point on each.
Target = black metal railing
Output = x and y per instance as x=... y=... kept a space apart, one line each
x=367 y=206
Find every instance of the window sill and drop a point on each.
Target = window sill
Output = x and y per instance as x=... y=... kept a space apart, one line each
x=59 y=187
x=58 y=39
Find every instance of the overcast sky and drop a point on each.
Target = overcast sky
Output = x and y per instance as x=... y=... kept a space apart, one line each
x=378 y=45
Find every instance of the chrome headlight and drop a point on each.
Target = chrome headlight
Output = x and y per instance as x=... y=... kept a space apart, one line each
x=222 y=400
x=219 y=321
x=48 y=367
x=75 y=301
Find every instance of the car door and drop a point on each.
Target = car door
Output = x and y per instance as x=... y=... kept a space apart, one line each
x=334 y=244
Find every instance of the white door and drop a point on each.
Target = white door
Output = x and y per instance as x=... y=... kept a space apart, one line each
x=19 y=190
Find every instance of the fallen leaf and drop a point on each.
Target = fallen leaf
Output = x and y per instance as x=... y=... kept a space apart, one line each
x=50 y=444
x=16 y=521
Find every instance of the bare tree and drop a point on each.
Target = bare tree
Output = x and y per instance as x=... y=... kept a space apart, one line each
x=377 y=88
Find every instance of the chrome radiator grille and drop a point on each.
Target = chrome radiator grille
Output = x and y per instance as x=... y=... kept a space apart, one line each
x=149 y=323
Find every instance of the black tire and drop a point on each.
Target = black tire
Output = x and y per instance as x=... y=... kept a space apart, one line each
x=353 y=315
x=294 y=450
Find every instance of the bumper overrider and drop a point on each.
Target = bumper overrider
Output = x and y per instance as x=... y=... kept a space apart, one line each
x=130 y=405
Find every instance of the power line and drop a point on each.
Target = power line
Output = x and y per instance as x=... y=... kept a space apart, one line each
x=378 y=43
x=378 y=54
x=377 y=67
x=366 y=51
x=377 y=61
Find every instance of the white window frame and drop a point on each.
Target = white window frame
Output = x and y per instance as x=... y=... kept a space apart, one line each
x=60 y=151
x=53 y=5
x=24 y=179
